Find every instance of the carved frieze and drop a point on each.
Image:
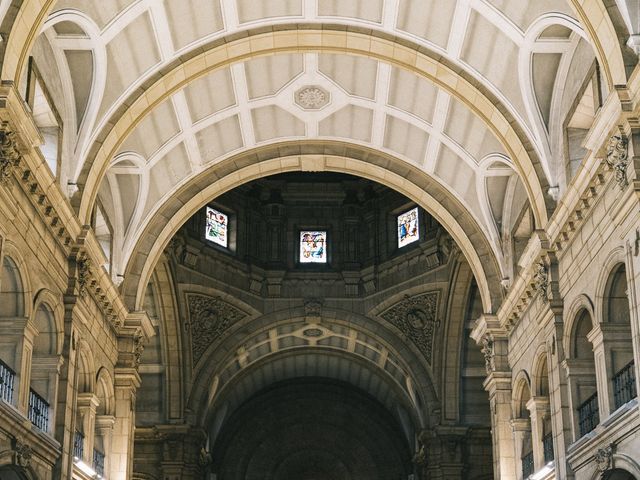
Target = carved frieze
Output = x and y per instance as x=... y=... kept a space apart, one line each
x=541 y=280
x=618 y=158
x=489 y=354
x=209 y=317
x=416 y=318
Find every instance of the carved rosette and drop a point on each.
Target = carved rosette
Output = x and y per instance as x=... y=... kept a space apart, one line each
x=209 y=317
x=618 y=158
x=9 y=154
x=604 y=458
x=416 y=318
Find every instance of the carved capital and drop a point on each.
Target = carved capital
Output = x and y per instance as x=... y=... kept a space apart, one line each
x=618 y=158
x=84 y=274
x=489 y=354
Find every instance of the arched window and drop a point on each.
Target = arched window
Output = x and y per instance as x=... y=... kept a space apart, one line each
x=11 y=308
x=617 y=339
x=104 y=423
x=581 y=373
x=522 y=428
x=44 y=369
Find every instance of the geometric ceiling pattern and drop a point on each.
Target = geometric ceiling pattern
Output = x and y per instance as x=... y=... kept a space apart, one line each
x=531 y=57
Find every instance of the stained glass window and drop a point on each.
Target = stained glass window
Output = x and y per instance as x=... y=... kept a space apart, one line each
x=216 y=229
x=313 y=246
x=408 y=229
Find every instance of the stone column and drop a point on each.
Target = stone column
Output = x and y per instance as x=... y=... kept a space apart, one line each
x=538 y=409
x=521 y=428
x=127 y=381
x=494 y=342
x=104 y=429
x=606 y=338
x=86 y=411
x=137 y=330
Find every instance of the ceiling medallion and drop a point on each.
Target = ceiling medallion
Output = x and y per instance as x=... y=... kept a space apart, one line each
x=312 y=332
x=312 y=97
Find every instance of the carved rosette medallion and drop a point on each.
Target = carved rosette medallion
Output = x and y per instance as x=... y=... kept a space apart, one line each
x=618 y=158
x=416 y=318
x=209 y=318
x=312 y=97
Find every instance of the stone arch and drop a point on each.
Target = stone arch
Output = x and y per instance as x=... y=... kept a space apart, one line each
x=104 y=392
x=521 y=394
x=582 y=303
x=15 y=272
x=620 y=463
x=540 y=373
x=257 y=43
x=202 y=398
x=345 y=159
x=86 y=369
x=611 y=262
x=48 y=300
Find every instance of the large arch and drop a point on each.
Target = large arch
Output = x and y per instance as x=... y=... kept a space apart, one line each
x=329 y=39
x=337 y=157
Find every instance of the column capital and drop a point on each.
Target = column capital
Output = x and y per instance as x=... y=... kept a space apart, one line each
x=538 y=404
x=88 y=400
x=520 y=424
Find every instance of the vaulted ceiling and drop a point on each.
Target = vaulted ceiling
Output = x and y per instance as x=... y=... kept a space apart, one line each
x=466 y=99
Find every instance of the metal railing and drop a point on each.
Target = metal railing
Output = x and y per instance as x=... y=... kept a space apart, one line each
x=624 y=385
x=78 y=445
x=527 y=465
x=98 y=462
x=547 y=447
x=588 y=414
x=7 y=379
x=38 y=411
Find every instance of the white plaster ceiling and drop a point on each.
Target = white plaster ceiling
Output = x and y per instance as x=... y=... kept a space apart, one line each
x=521 y=52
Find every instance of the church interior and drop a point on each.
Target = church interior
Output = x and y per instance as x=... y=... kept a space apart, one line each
x=319 y=239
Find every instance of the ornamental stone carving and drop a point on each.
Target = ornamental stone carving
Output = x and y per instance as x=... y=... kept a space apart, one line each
x=541 y=280
x=416 y=318
x=604 y=458
x=489 y=354
x=618 y=158
x=84 y=273
x=9 y=154
x=209 y=318
x=313 y=308
x=23 y=453
x=312 y=97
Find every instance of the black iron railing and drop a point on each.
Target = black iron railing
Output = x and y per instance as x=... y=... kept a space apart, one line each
x=78 y=445
x=7 y=379
x=624 y=385
x=527 y=465
x=98 y=462
x=588 y=414
x=547 y=447
x=38 y=411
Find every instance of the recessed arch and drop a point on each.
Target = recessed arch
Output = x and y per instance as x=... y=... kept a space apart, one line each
x=344 y=159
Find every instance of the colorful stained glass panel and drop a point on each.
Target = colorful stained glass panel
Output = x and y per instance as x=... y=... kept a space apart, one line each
x=217 y=225
x=408 y=229
x=313 y=246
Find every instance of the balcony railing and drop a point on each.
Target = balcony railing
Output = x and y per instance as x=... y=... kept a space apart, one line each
x=527 y=465
x=38 y=411
x=624 y=385
x=588 y=414
x=7 y=379
x=98 y=462
x=78 y=445
x=547 y=447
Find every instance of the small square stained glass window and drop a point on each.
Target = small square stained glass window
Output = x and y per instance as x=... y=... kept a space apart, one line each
x=408 y=228
x=313 y=246
x=216 y=228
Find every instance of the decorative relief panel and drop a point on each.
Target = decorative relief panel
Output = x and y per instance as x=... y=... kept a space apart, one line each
x=209 y=318
x=312 y=97
x=416 y=318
